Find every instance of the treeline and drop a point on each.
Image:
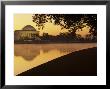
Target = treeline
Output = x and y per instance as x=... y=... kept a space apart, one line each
x=61 y=38
x=68 y=37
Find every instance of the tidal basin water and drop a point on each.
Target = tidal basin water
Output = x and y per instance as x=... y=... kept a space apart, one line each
x=27 y=56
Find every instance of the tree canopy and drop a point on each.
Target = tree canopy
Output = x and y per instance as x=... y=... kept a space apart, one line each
x=68 y=21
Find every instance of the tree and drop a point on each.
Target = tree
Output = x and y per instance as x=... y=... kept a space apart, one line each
x=45 y=36
x=68 y=21
x=78 y=37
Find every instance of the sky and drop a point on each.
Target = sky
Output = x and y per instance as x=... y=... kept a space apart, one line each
x=21 y=20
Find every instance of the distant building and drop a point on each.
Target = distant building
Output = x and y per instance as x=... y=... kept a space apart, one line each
x=26 y=33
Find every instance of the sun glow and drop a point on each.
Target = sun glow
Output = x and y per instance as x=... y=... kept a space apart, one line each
x=21 y=20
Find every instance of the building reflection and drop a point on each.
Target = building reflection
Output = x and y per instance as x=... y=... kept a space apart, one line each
x=29 y=52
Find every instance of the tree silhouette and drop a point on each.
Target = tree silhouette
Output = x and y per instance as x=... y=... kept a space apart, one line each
x=68 y=21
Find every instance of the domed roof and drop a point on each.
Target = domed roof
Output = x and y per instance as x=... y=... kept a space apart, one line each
x=29 y=28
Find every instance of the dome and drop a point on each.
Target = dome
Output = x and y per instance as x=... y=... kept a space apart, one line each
x=29 y=28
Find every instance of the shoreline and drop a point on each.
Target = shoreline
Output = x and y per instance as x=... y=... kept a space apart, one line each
x=50 y=42
x=79 y=63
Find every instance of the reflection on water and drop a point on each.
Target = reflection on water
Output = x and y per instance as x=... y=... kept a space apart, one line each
x=28 y=56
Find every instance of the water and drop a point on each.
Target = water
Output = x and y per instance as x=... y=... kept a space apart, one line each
x=27 y=56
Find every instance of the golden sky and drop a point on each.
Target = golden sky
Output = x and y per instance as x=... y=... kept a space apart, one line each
x=21 y=20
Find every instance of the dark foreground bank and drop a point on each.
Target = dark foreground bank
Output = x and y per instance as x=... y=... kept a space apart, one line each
x=80 y=63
